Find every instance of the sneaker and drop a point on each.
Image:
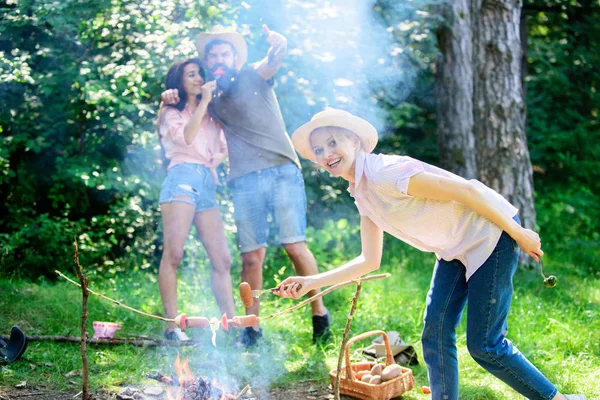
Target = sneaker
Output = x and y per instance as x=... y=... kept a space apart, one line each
x=177 y=335
x=575 y=397
x=321 y=332
x=249 y=337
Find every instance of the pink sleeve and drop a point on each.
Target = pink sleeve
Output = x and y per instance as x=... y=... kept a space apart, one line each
x=405 y=169
x=172 y=124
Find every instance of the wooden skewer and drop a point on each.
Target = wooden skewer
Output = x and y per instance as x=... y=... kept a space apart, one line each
x=116 y=301
x=256 y=293
x=324 y=292
x=287 y=311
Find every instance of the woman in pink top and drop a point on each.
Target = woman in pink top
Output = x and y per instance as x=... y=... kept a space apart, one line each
x=474 y=232
x=195 y=145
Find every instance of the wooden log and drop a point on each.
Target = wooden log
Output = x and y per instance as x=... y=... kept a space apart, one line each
x=147 y=342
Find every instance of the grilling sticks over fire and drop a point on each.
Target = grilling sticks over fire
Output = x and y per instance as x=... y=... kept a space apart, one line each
x=246 y=294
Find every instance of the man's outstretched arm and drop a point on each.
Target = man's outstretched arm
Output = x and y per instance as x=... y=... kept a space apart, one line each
x=268 y=66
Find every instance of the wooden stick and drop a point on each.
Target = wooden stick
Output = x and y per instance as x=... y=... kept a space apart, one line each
x=148 y=342
x=287 y=311
x=324 y=292
x=345 y=340
x=84 y=313
x=242 y=392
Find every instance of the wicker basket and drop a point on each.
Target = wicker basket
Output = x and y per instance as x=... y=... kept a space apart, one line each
x=350 y=386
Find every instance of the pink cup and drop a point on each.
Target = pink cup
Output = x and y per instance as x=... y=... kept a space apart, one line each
x=105 y=329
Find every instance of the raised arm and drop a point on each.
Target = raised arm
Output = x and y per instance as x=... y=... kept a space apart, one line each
x=194 y=124
x=268 y=66
x=369 y=260
x=436 y=187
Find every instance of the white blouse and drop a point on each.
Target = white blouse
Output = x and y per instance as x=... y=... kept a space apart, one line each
x=449 y=229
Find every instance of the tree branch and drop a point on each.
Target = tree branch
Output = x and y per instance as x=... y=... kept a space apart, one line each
x=345 y=341
x=84 y=313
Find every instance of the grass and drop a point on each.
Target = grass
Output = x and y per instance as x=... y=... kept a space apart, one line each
x=558 y=329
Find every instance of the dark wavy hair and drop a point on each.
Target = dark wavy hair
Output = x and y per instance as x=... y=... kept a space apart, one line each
x=175 y=79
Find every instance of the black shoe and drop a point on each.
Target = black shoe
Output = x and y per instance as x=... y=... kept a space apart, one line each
x=14 y=349
x=249 y=337
x=321 y=332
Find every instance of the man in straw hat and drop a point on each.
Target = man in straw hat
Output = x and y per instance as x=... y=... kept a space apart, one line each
x=264 y=176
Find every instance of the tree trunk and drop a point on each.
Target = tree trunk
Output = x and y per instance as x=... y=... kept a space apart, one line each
x=454 y=90
x=523 y=36
x=498 y=106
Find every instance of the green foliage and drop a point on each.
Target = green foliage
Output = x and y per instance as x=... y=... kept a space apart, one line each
x=78 y=145
x=80 y=81
x=37 y=246
x=569 y=220
x=562 y=124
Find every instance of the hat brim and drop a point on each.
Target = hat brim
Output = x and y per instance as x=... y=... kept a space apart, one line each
x=361 y=128
x=236 y=39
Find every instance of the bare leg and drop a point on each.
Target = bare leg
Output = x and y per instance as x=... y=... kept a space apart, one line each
x=252 y=263
x=177 y=219
x=209 y=225
x=305 y=264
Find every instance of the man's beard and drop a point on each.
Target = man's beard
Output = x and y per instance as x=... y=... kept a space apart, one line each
x=225 y=79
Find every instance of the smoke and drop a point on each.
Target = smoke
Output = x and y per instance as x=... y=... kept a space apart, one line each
x=355 y=55
x=347 y=54
x=341 y=54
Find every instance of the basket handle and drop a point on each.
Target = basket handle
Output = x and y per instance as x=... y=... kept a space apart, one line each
x=389 y=358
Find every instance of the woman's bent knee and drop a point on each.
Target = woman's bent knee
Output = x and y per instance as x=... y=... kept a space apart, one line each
x=479 y=352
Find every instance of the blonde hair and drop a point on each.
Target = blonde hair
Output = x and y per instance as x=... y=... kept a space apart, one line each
x=338 y=131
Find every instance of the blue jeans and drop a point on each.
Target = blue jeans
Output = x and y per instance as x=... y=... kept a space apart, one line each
x=277 y=192
x=489 y=293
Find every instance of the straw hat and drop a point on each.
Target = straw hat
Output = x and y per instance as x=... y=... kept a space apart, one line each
x=218 y=32
x=334 y=117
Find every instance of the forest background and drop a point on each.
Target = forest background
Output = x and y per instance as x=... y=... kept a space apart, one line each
x=79 y=157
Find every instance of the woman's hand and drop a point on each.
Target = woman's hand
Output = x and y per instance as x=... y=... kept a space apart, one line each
x=293 y=287
x=529 y=241
x=207 y=90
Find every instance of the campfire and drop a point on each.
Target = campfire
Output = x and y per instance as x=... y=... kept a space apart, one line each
x=186 y=386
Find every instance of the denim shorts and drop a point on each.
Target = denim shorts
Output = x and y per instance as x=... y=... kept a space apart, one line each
x=276 y=192
x=192 y=184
